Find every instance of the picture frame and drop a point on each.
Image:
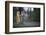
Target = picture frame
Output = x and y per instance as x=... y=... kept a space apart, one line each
x=9 y=17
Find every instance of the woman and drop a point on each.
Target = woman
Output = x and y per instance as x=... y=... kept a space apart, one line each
x=18 y=17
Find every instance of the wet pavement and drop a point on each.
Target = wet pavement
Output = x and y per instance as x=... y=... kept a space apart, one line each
x=27 y=24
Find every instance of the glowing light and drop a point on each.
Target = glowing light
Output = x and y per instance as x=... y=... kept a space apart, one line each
x=25 y=8
x=32 y=9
